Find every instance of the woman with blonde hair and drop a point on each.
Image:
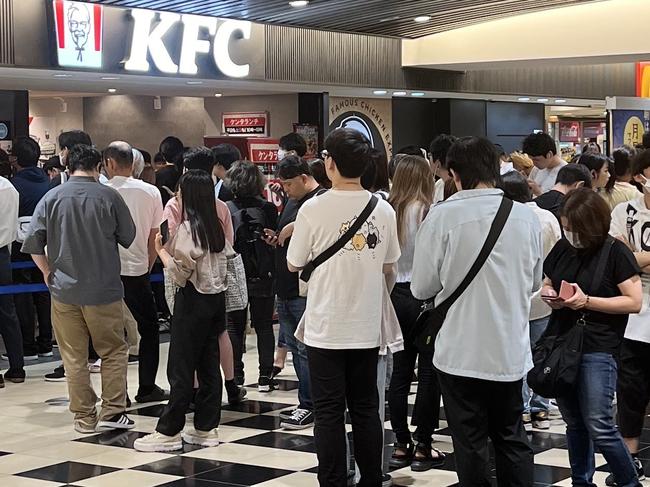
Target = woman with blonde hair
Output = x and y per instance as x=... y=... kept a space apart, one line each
x=411 y=196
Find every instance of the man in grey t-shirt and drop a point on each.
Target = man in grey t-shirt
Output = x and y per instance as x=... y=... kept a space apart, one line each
x=81 y=223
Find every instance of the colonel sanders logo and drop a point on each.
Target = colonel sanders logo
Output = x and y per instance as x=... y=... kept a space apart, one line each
x=79 y=34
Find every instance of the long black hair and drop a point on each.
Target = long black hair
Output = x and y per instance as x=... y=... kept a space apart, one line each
x=197 y=196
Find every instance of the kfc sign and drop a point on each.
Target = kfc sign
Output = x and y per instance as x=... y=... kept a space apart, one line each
x=148 y=44
x=78 y=34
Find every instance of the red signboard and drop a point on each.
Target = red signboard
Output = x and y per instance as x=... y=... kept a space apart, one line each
x=569 y=131
x=245 y=124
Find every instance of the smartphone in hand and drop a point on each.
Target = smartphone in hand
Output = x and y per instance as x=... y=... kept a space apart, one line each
x=164 y=231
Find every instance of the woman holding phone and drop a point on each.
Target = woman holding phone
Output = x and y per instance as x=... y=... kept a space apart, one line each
x=588 y=410
x=196 y=261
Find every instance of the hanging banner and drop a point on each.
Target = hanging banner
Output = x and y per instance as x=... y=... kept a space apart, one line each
x=570 y=132
x=310 y=134
x=628 y=127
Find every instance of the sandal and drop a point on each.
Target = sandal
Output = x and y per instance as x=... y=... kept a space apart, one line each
x=402 y=455
x=424 y=459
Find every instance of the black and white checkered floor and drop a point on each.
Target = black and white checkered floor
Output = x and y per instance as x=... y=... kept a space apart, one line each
x=38 y=447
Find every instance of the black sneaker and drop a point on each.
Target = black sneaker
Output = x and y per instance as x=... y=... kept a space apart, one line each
x=287 y=413
x=158 y=394
x=15 y=376
x=300 y=419
x=133 y=359
x=2 y=382
x=118 y=422
x=276 y=371
x=57 y=376
x=264 y=384
x=236 y=394
x=639 y=471
x=386 y=480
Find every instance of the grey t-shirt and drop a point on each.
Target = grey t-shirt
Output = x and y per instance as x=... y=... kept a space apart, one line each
x=81 y=223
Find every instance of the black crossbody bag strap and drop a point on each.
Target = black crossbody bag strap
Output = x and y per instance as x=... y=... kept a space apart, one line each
x=341 y=242
x=498 y=224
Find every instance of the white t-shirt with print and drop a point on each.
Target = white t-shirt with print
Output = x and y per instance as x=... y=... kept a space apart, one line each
x=345 y=293
x=546 y=178
x=632 y=221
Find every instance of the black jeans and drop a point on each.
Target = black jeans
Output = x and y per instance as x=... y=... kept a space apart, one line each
x=337 y=377
x=197 y=322
x=262 y=322
x=477 y=410
x=427 y=402
x=29 y=307
x=9 y=326
x=159 y=291
x=138 y=297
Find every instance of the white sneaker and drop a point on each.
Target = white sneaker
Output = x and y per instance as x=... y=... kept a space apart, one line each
x=84 y=427
x=528 y=422
x=201 y=438
x=158 y=442
x=95 y=368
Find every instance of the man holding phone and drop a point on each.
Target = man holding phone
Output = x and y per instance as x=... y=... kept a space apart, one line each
x=145 y=205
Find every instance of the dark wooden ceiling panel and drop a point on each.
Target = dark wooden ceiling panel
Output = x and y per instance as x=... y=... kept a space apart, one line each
x=380 y=17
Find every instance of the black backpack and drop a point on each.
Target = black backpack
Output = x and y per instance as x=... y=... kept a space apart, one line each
x=258 y=257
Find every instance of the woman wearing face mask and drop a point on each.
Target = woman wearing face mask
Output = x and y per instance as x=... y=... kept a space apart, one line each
x=598 y=166
x=587 y=410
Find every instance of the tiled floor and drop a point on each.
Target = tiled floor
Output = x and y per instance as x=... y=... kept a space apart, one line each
x=38 y=447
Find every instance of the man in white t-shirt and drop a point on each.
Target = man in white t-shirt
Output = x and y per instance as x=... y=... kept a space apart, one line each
x=631 y=223
x=542 y=150
x=342 y=319
x=145 y=204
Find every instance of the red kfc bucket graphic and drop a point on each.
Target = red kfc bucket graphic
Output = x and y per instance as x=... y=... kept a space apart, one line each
x=78 y=34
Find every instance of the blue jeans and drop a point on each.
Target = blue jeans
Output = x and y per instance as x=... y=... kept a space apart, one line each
x=534 y=403
x=290 y=313
x=589 y=416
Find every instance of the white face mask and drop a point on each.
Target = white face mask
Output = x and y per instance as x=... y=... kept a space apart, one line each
x=281 y=154
x=573 y=239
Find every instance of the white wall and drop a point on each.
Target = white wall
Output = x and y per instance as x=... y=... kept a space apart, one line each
x=49 y=119
x=283 y=110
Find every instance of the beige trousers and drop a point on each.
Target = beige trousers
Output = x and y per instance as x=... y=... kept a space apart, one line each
x=131 y=328
x=104 y=324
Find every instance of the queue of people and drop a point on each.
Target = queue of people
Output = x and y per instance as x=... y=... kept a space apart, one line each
x=361 y=247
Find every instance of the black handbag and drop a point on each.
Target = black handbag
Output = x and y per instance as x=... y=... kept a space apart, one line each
x=557 y=357
x=432 y=317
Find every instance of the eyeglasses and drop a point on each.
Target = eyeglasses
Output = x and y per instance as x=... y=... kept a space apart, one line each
x=324 y=154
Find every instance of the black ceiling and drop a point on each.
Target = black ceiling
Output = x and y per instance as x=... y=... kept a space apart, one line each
x=381 y=17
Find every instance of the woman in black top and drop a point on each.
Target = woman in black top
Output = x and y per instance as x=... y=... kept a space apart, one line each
x=587 y=410
x=251 y=214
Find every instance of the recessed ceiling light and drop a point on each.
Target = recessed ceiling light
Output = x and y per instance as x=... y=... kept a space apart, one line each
x=542 y=100
x=418 y=93
x=110 y=77
x=194 y=82
x=560 y=101
x=62 y=75
x=112 y=90
x=523 y=98
x=423 y=18
x=299 y=3
x=399 y=93
x=218 y=95
x=379 y=92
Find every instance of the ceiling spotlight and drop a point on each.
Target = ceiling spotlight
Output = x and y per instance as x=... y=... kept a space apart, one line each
x=299 y=3
x=523 y=98
x=418 y=93
x=379 y=92
x=110 y=77
x=218 y=95
x=560 y=101
x=542 y=100
x=112 y=90
x=62 y=75
x=194 y=82
x=423 y=18
x=399 y=93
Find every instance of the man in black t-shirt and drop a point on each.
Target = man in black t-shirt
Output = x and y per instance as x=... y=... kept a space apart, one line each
x=299 y=185
x=171 y=149
x=571 y=176
x=224 y=155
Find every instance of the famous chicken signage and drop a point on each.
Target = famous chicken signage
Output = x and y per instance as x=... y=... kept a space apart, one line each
x=78 y=34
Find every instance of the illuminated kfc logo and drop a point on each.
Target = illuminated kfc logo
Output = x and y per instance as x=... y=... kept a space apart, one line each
x=78 y=34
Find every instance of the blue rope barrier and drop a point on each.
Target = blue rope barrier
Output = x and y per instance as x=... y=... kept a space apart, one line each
x=27 y=264
x=39 y=288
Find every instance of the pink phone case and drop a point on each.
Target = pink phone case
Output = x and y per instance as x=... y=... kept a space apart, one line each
x=566 y=291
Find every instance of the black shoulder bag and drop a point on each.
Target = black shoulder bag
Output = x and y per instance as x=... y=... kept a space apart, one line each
x=557 y=357
x=305 y=275
x=432 y=317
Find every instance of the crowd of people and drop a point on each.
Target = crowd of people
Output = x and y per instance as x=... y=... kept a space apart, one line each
x=508 y=250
